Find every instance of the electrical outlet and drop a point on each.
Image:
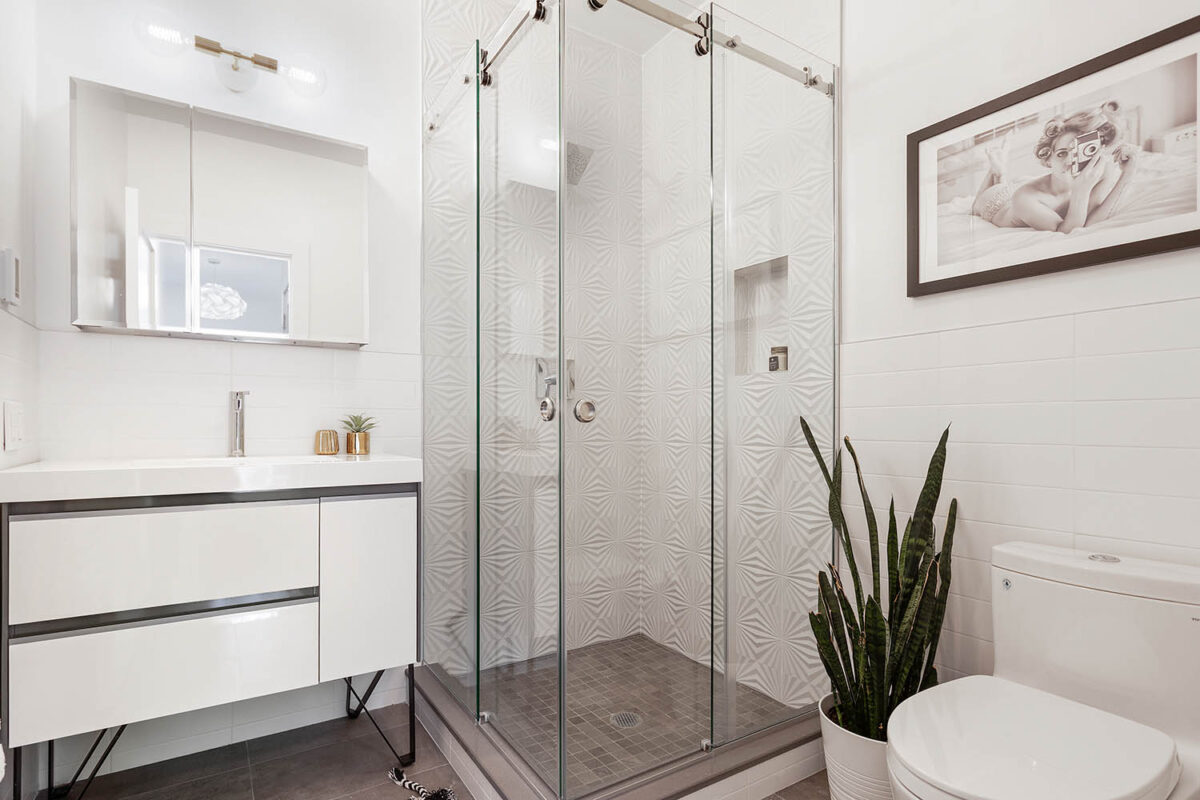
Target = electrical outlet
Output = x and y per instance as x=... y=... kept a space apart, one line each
x=14 y=425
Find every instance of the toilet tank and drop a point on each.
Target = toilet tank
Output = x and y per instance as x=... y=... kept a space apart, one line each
x=1118 y=634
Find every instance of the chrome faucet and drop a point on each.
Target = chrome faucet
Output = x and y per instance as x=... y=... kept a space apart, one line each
x=237 y=447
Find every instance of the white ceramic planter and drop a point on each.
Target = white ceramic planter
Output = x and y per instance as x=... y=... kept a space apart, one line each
x=857 y=766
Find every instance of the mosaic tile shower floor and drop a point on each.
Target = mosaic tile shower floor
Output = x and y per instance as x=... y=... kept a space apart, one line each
x=668 y=692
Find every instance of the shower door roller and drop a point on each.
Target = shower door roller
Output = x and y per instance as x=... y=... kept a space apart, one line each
x=585 y=411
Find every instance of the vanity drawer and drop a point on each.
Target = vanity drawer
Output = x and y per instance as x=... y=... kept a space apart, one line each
x=84 y=682
x=73 y=565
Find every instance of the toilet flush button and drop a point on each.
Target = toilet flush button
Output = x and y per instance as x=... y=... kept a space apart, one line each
x=1102 y=557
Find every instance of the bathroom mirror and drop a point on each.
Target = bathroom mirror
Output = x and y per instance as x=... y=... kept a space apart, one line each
x=188 y=222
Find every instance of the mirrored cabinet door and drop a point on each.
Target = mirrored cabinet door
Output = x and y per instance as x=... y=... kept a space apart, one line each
x=193 y=223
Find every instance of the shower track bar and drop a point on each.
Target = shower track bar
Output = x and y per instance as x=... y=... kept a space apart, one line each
x=508 y=31
x=700 y=28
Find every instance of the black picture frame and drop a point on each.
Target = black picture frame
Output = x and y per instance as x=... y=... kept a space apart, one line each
x=1043 y=266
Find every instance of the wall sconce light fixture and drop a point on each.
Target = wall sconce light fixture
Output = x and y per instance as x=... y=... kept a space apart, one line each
x=236 y=70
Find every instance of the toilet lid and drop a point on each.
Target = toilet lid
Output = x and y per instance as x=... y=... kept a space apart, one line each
x=985 y=738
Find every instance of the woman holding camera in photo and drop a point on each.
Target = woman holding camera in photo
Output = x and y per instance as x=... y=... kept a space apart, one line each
x=1089 y=172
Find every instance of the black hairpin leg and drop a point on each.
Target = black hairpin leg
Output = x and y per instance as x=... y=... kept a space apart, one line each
x=62 y=791
x=353 y=712
x=15 y=755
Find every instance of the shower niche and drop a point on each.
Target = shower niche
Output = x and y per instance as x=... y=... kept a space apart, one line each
x=760 y=293
x=627 y=206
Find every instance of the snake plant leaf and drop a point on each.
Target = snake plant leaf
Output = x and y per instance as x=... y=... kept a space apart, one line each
x=831 y=608
x=876 y=645
x=922 y=521
x=829 y=657
x=872 y=523
x=913 y=650
x=908 y=622
x=902 y=587
x=835 y=512
x=945 y=561
x=816 y=451
x=847 y=609
x=893 y=560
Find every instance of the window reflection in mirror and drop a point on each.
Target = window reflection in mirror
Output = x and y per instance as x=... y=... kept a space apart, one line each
x=189 y=221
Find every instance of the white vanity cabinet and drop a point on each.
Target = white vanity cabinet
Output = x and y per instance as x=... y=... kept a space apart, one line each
x=368 y=570
x=121 y=610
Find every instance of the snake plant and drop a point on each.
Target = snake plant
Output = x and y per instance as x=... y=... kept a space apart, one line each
x=878 y=652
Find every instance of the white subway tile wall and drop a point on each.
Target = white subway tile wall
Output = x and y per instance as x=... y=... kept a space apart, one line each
x=116 y=396
x=1077 y=430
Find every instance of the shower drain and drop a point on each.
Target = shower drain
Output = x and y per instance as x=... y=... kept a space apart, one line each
x=625 y=719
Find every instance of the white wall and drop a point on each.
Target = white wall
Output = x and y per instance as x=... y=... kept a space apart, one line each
x=129 y=396
x=18 y=338
x=1073 y=397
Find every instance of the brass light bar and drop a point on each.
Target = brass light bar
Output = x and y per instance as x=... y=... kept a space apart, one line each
x=214 y=47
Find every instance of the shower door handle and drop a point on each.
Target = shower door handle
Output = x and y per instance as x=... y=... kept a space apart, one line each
x=547 y=406
x=585 y=411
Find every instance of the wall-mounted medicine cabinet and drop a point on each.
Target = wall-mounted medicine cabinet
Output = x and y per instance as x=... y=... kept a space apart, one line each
x=187 y=222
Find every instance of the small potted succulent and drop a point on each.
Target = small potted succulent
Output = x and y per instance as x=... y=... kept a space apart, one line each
x=878 y=651
x=358 y=436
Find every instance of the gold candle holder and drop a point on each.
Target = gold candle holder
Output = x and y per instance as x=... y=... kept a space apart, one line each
x=327 y=443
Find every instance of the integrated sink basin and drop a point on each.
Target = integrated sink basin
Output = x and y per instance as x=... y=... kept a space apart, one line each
x=78 y=480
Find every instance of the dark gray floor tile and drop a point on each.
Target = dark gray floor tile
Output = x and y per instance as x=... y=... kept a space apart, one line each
x=813 y=788
x=331 y=731
x=228 y=786
x=140 y=780
x=324 y=772
x=341 y=768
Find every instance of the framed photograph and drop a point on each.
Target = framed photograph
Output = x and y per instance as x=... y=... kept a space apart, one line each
x=1092 y=165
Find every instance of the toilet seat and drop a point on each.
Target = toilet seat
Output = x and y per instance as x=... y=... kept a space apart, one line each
x=986 y=738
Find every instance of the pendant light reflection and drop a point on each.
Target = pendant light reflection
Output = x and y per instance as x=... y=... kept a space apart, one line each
x=305 y=75
x=162 y=36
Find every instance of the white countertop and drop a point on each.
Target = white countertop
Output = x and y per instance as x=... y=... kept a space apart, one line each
x=85 y=480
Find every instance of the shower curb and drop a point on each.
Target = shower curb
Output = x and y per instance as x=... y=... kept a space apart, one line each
x=512 y=779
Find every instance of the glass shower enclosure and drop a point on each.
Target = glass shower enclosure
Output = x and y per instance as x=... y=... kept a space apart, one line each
x=629 y=302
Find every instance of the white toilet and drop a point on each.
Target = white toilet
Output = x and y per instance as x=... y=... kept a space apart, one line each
x=1096 y=692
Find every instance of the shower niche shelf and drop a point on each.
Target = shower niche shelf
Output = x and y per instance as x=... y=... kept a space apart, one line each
x=760 y=293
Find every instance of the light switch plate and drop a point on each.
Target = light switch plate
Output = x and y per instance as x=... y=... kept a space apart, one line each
x=14 y=425
x=10 y=278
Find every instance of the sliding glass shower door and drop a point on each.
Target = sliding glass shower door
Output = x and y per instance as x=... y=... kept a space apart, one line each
x=520 y=414
x=629 y=275
x=637 y=435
